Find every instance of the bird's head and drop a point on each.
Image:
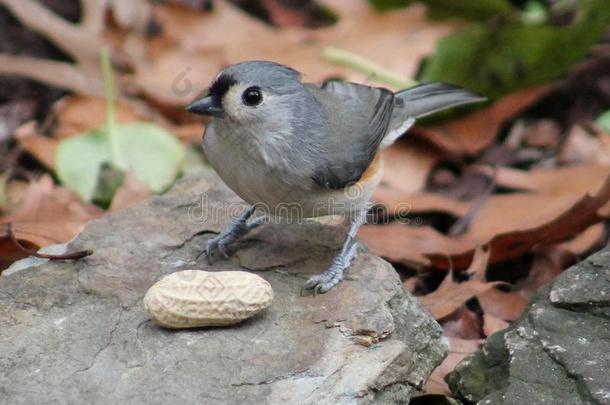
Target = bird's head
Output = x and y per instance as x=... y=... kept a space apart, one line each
x=249 y=92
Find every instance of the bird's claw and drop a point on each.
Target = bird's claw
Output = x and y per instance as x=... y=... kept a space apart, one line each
x=217 y=244
x=322 y=283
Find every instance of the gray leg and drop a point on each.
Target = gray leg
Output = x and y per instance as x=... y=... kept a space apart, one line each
x=322 y=283
x=232 y=233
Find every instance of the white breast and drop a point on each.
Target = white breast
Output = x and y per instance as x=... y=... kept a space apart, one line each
x=245 y=171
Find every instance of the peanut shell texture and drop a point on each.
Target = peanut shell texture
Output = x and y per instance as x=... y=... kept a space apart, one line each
x=196 y=298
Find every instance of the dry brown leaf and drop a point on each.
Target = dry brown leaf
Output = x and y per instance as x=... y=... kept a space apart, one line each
x=458 y=349
x=77 y=114
x=463 y=324
x=49 y=214
x=474 y=132
x=514 y=224
x=491 y=324
x=410 y=245
x=451 y=295
x=407 y=164
x=479 y=263
x=554 y=181
x=9 y=253
x=543 y=133
x=507 y=306
x=410 y=284
x=41 y=147
x=511 y=224
x=544 y=269
x=195 y=46
x=396 y=202
x=586 y=241
x=582 y=146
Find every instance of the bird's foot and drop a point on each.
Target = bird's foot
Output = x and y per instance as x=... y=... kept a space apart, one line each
x=230 y=235
x=322 y=283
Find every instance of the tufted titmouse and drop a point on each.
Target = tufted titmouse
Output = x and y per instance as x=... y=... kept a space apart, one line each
x=300 y=150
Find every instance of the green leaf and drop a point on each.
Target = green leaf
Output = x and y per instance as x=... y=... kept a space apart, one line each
x=476 y=10
x=153 y=154
x=385 y=5
x=534 y=13
x=603 y=122
x=78 y=161
x=441 y=9
x=499 y=57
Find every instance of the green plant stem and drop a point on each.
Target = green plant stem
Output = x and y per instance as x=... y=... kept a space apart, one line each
x=360 y=64
x=110 y=109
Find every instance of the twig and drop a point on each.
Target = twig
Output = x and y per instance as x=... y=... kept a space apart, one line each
x=80 y=41
x=360 y=64
x=462 y=224
x=30 y=252
x=60 y=74
x=93 y=15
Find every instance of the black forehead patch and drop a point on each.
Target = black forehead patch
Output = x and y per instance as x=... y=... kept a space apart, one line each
x=221 y=85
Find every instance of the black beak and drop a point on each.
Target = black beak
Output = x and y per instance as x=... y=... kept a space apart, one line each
x=208 y=105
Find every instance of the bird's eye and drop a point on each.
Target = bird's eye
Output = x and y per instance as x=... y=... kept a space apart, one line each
x=252 y=96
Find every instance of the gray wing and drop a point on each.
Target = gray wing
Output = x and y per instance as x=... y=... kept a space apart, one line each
x=358 y=117
x=423 y=100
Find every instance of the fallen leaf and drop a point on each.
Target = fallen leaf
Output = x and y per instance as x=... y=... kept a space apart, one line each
x=582 y=146
x=512 y=224
x=544 y=133
x=152 y=153
x=458 y=349
x=463 y=324
x=451 y=295
x=397 y=202
x=174 y=68
x=469 y=135
x=410 y=245
x=586 y=241
x=491 y=324
x=407 y=164
x=507 y=306
x=77 y=114
x=47 y=214
x=410 y=284
x=544 y=269
x=41 y=147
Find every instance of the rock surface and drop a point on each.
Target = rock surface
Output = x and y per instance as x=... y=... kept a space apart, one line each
x=557 y=353
x=76 y=332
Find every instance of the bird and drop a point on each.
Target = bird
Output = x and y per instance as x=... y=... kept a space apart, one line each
x=296 y=150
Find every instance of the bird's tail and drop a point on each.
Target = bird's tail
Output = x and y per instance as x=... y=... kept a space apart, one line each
x=423 y=100
x=427 y=99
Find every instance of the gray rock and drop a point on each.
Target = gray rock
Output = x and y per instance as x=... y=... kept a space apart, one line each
x=557 y=353
x=76 y=332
